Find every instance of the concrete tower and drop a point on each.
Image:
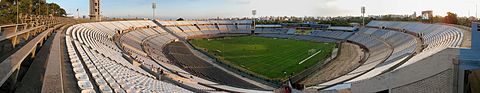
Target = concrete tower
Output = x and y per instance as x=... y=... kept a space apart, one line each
x=95 y=10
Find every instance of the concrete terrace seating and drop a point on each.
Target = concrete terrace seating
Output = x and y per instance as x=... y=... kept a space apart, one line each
x=397 y=46
x=403 y=45
x=332 y=34
x=270 y=30
x=298 y=37
x=99 y=63
x=198 y=28
x=133 y=41
x=433 y=35
x=386 y=49
x=378 y=52
x=100 y=52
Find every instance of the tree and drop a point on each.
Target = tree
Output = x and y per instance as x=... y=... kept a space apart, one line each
x=451 y=18
x=56 y=10
x=8 y=9
x=180 y=19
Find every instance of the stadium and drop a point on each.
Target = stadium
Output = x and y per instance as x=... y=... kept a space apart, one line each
x=57 y=54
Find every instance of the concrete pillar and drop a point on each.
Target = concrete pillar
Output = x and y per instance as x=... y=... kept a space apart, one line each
x=13 y=81
x=33 y=52
x=456 y=76
x=14 y=41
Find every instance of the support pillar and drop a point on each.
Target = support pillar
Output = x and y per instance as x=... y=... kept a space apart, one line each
x=14 y=41
x=13 y=81
x=33 y=51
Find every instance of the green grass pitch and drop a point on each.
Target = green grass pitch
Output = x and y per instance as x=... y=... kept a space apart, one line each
x=267 y=57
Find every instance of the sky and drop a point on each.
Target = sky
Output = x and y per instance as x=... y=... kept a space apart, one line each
x=243 y=8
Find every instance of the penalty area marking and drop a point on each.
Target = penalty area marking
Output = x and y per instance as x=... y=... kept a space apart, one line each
x=309 y=57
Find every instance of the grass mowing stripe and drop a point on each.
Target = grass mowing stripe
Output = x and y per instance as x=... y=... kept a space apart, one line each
x=267 y=57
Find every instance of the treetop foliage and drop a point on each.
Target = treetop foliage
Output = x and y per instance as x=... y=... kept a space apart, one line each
x=8 y=9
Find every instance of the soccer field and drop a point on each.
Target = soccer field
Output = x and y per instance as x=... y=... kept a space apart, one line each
x=267 y=57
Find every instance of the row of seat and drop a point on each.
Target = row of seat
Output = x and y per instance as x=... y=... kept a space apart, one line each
x=433 y=35
x=189 y=28
x=132 y=44
x=331 y=34
x=267 y=30
x=90 y=45
x=382 y=45
x=152 y=40
x=209 y=22
x=403 y=45
x=397 y=46
x=297 y=37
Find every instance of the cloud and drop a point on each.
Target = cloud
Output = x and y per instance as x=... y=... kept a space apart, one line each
x=329 y=11
x=242 y=2
x=329 y=8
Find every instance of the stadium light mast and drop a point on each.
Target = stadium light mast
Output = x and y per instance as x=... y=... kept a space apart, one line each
x=363 y=15
x=254 y=12
x=154 y=6
x=78 y=14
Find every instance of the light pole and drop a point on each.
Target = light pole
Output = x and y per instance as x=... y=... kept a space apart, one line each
x=254 y=12
x=363 y=15
x=154 y=6
x=78 y=14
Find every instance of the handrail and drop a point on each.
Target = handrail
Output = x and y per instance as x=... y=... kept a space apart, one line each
x=13 y=62
x=19 y=33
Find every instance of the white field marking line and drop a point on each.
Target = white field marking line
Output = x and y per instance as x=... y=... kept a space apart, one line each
x=309 y=57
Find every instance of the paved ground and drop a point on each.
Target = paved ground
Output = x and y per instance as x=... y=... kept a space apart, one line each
x=32 y=81
x=467 y=38
x=53 y=81
x=347 y=60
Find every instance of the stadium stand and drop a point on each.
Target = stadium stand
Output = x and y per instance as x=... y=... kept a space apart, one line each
x=100 y=65
x=128 y=56
x=270 y=29
x=391 y=46
x=207 y=28
x=149 y=56
x=433 y=35
x=332 y=34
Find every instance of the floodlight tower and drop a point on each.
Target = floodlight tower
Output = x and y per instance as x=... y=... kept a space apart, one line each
x=363 y=15
x=254 y=12
x=78 y=14
x=154 y=6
